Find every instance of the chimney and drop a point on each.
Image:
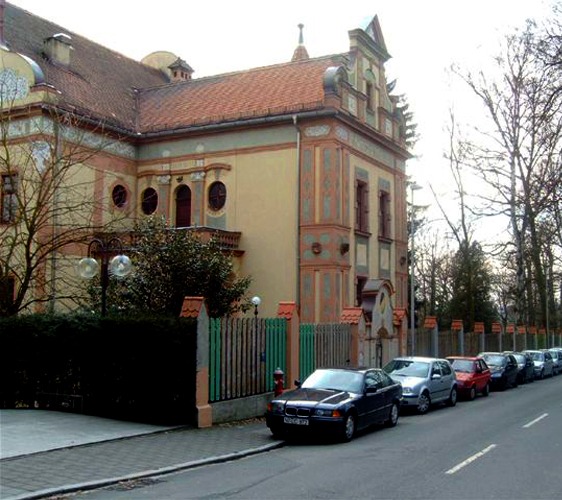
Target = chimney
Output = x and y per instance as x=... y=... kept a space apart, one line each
x=180 y=70
x=57 y=48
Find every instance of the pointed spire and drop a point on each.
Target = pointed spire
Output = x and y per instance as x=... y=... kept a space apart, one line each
x=300 y=53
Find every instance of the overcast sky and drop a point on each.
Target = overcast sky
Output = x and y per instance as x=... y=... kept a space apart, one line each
x=214 y=36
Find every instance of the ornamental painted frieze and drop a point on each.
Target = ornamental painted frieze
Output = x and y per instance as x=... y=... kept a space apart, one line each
x=318 y=131
x=12 y=86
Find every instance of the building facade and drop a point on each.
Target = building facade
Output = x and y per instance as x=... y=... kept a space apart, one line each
x=300 y=165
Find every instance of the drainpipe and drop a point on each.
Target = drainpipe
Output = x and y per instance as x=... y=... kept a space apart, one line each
x=298 y=217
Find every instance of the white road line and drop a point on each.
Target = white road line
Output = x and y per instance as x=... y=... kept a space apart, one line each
x=533 y=422
x=458 y=467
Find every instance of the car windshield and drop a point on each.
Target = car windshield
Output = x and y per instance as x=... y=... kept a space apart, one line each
x=339 y=380
x=494 y=359
x=407 y=368
x=537 y=356
x=462 y=365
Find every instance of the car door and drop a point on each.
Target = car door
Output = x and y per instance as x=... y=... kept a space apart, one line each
x=436 y=382
x=511 y=369
x=483 y=373
x=373 y=401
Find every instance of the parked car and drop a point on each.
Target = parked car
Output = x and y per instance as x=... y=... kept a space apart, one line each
x=525 y=366
x=503 y=367
x=424 y=380
x=336 y=402
x=473 y=375
x=544 y=367
x=556 y=360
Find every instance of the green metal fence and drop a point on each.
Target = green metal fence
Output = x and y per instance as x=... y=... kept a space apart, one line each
x=243 y=354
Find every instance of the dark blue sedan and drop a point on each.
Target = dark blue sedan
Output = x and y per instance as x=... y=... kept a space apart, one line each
x=336 y=402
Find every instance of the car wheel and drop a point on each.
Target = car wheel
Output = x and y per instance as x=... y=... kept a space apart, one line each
x=393 y=415
x=472 y=393
x=452 y=401
x=486 y=390
x=423 y=403
x=348 y=430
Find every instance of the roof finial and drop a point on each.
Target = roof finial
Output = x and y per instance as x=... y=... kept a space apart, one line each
x=300 y=53
x=301 y=38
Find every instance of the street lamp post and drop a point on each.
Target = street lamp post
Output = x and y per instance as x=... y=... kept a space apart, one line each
x=413 y=187
x=110 y=254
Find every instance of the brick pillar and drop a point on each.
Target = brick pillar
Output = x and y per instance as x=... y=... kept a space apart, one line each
x=430 y=323
x=479 y=328
x=194 y=307
x=355 y=317
x=497 y=329
x=288 y=310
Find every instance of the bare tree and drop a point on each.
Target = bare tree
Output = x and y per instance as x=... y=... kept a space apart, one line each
x=49 y=206
x=517 y=155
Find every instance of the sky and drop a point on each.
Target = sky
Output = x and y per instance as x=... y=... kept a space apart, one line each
x=424 y=37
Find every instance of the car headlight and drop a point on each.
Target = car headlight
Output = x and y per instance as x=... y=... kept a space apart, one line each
x=320 y=412
x=275 y=407
x=407 y=390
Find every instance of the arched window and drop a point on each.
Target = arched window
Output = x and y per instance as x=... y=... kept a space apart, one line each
x=149 y=201
x=183 y=206
x=217 y=195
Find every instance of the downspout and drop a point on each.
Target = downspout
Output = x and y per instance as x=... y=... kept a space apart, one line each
x=54 y=260
x=298 y=218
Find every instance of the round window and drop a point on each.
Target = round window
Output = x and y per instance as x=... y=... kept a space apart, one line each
x=217 y=195
x=149 y=201
x=119 y=196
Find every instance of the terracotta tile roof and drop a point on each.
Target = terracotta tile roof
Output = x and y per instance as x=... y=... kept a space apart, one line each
x=286 y=310
x=98 y=79
x=351 y=315
x=398 y=315
x=266 y=91
x=192 y=306
x=101 y=83
x=430 y=322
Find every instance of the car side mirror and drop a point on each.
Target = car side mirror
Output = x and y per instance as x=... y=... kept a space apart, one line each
x=370 y=390
x=298 y=383
x=478 y=369
x=435 y=376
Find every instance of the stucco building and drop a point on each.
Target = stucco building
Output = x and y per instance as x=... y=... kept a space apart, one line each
x=300 y=165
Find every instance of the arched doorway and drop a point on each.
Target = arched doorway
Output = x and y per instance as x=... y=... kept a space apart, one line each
x=183 y=206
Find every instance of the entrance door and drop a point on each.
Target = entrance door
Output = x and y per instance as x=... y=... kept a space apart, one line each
x=183 y=206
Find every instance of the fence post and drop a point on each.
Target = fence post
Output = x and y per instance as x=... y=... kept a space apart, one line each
x=479 y=329
x=194 y=307
x=497 y=329
x=430 y=323
x=288 y=310
x=355 y=317
x=458 y=327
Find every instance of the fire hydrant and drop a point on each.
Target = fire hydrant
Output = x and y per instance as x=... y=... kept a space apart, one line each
x=278 y=381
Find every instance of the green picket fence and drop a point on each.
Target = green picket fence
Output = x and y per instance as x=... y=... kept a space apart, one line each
x=243 y=354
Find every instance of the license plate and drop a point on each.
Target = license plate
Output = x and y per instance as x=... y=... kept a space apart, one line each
x=295 y=421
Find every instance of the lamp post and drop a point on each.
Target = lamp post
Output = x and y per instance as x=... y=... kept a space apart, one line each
x=110 y=254
x=413 y=187
x=256 y=301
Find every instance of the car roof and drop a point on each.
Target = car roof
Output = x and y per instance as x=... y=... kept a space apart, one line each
x=426 y=359
x=357 y=369
x=467 y=358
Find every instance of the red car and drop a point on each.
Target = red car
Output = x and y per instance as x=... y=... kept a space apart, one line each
x=473 y=375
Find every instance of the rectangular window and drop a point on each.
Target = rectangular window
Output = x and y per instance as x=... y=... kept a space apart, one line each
x=360 y=284
x=9 y=198
x=384 y=215
x=369 y=92
x=361 y=207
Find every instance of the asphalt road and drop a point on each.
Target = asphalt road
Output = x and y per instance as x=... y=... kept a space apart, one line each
x=506 y=446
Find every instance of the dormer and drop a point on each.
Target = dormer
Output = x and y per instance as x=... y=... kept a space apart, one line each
x=180 y=71
x=57 y=48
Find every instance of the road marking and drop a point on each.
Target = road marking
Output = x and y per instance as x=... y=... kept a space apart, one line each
x=533 y=422
x=458 y=467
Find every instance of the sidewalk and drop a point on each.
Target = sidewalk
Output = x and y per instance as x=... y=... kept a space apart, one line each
x=44 y=453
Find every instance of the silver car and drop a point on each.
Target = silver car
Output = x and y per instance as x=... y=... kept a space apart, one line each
x=544 y=367
x=424 y=380
x=556 y=354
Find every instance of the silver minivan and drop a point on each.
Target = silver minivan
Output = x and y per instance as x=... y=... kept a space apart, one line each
x=425 y=381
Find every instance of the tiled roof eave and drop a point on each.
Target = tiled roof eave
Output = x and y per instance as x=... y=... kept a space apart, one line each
x=214 y=125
